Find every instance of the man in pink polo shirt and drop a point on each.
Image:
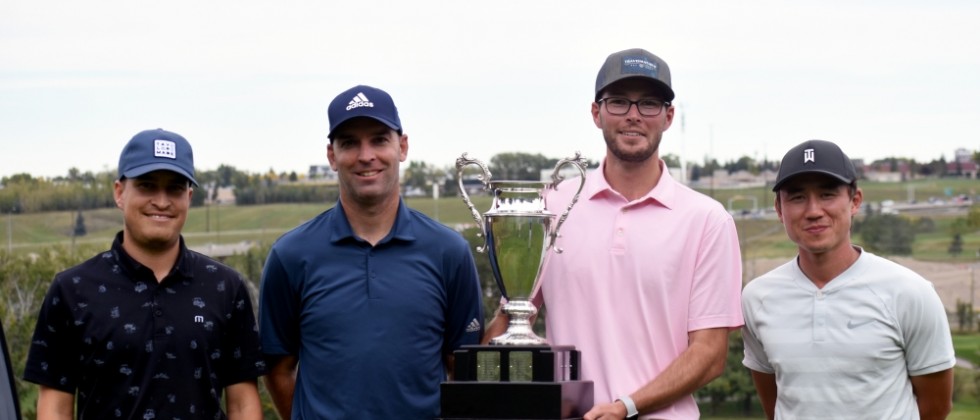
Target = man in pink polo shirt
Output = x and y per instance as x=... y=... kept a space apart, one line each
x=648 y=286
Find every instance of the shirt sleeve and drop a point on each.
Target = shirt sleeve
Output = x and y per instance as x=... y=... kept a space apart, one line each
x=246 y=361
x=279 y=309
x=929 y=344
x=465 y=310
x=716 y=292
x=754 y=354
x=53 y=356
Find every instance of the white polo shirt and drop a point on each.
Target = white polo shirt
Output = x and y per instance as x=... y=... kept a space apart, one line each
x=846 y=351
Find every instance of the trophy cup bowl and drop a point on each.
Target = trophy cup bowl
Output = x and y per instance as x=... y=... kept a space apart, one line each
x=518 y=375
x=518 y=230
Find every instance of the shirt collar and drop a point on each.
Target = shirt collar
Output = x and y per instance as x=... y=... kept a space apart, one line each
x=340 y=225
x=130 y=265
x=663 y=194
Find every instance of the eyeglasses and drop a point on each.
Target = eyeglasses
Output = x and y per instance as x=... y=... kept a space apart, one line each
x=646 y=107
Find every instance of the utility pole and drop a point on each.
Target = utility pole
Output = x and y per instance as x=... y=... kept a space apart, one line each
x=973 y=274
x=435 y=200
x=683 y=179
x=711 y=153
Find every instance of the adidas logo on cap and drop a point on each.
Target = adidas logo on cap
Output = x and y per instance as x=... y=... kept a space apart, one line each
x=359 y=101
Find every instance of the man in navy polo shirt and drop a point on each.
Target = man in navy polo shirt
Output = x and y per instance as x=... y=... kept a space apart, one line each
x=148 y=329
x=362 y=306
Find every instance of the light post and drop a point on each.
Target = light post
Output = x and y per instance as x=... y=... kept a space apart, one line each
x=973 y=275
x=435 y=200
x=217 y=220
x=10 y=232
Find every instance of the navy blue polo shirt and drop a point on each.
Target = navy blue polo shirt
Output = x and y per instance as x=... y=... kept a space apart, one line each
x=134 y=348
x=369 y=324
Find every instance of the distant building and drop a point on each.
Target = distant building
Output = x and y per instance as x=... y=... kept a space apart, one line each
x=966 y=169
x=224 y=196
x=321 y=172
x=222 y=251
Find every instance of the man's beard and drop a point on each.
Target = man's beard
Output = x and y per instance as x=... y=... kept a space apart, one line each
x=641 y=155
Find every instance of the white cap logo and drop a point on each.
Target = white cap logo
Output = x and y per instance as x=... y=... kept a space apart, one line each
x=808 y=156
x=360 y=100
x=164 y=149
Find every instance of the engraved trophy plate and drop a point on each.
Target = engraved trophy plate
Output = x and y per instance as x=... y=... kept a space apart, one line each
x=518 y=230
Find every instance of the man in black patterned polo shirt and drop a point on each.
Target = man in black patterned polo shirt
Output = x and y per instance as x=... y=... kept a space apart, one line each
x=148 y=329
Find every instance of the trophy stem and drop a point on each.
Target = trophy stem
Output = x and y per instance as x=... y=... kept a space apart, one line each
x=519 y=331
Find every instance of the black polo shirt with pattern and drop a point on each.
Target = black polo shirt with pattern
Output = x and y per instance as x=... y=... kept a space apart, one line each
x=134 y=348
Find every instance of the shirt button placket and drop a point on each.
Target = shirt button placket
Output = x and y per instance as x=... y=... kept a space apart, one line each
x=619 y=236
x=819 y=316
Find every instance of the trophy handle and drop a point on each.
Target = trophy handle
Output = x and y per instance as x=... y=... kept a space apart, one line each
x=580 y=163
x=461 y=162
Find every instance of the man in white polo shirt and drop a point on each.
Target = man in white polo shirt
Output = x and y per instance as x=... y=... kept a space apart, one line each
x=838 y=332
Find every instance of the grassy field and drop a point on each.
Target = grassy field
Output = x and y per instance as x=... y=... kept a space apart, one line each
x=212 y=224
x=965 y=411
x=967 y=346
x=874 y=192
x=761 y=237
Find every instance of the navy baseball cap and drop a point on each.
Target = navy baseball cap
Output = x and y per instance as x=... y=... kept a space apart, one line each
x=363 y=101
x=816 y=156
x=154 y=150
x=635 y=62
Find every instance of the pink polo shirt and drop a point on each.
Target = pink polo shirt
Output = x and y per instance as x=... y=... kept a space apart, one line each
x=635 y=278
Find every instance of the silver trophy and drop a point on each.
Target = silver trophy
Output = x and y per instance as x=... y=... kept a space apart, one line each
x=518 y=231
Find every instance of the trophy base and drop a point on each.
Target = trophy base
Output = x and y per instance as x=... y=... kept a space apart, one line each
x=516 y=382
x=516 y=400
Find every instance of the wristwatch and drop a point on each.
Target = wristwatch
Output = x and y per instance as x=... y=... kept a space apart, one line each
x=631 y=412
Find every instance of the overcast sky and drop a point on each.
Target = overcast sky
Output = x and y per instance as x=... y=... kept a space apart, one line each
x=248 y=82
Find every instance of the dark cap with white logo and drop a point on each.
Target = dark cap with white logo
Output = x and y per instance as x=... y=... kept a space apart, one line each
x=154 y=150
x=815 y=156
x=632 y=63
x=363 y=101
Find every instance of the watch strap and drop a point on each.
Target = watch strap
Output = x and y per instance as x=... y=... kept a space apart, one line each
x=631 y=412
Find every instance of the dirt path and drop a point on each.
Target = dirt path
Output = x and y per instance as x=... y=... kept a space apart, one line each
x=952 y=280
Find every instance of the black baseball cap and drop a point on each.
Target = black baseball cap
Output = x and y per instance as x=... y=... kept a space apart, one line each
x=816 y=156
x=631 y=63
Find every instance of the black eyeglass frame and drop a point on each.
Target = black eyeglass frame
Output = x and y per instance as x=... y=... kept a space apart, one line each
x=663 y=105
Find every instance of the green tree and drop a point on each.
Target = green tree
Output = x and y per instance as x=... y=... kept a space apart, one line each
x=956 y=246
x=964 y=314
x=973 y=217
x=24 y=279
x=519 y=166
x=734 y=384
x=79 y=225
x=888 y=234
x=418 y=175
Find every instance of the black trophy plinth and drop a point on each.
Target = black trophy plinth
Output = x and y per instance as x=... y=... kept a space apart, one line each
x=516 y=382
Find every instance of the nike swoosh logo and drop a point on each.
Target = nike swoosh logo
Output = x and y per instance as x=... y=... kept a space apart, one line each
x=852 y=325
